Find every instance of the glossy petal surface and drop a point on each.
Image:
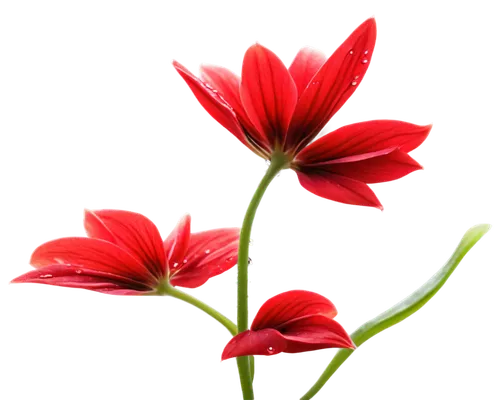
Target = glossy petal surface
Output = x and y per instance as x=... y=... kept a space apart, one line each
x=228 y=85
x=337 y=188
x=379 y=166
x=92 y=254
x=130 y=231
x=291 y=322
x=83 y=278
x=213 y=103
x=265 y=342
x=210 y=253
x=332 y=85
x=364 y=137
x=306 y=64
x=177 y=243
x=291 y=305
x=268 y=93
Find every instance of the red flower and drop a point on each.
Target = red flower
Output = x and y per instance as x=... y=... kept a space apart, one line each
x=273 y=110
x=291 y=322
x=124 y=254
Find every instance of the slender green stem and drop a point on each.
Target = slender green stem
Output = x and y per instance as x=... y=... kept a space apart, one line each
x=417 y=300
x=278 y=162
x=171 y=291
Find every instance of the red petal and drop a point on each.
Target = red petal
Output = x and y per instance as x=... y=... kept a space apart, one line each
x=132 y=232
x=330 y=88
x=213 y=103
x=268 y=93
x=337 y=188
x=305 y=65
x=364 y=137
x=93 y=254
x=83 y=278
x=290 y=305
x=379 y=166
x=264 y=342
x=176 y=244
x=314 y=332
x=228 y=85
x=210 y=253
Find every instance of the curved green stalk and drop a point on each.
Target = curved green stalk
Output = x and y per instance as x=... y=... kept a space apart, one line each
x=403 y=309
x=278 y=162
x=230 y=326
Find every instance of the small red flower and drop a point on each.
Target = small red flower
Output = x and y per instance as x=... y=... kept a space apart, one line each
x=124 y=254
x=273 y=109
x=291 y=322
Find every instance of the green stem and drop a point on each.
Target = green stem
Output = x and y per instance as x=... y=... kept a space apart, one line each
x=171 y=291
x=278 y=162
x=417 y=300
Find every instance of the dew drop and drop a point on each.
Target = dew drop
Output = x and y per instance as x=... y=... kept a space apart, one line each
x=185 y=261
x=366 y=52
x=270 y=349
x=354 y=83
x=78 y=271
x=175 y=265
x=229 y=259
x=45 y=276
x=364 y=61
x=351 y=52
x=315 y=82
x=207 y=251
x=356 y=77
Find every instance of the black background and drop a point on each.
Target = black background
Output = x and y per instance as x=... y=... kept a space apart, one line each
x=104 y=122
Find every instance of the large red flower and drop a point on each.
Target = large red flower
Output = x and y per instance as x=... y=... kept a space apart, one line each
x=125 y=254
x=272 y=109
x=291 y=322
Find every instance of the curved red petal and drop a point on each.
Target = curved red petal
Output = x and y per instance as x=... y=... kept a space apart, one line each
x=268 y=93
x=305 y=65
x=290 y=305
x=177 y=243
x=131 y=231
x=266 y=342
x=379 y=166
x=210 y=253
x=364 y=137
x=337 y=188
x=332 y=85
x=228 y=85
x=314 y=332
x=213 y=103
x=93 y=254
x=83 y=278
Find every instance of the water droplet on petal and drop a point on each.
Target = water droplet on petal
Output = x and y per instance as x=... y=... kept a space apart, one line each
x=207 y=251
x=175 y=265
x=185 y=261
x=351 y=52
x=364 y=61
x=78 y=271
x=45 y=276
x=356 y=77
x=229 y=259
x=366 y=52
x=270 y=349
x=354 y=83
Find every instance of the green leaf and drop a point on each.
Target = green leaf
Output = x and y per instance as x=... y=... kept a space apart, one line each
x=403 y=310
